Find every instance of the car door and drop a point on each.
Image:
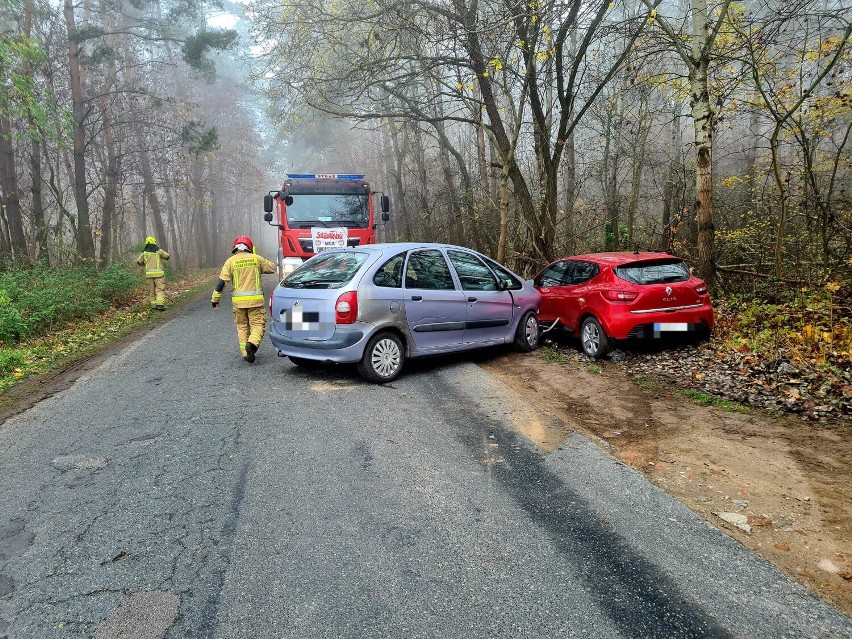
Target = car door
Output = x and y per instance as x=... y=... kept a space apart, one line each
x=489 y=309
x=551 y=284
x=579 y=291
x=435 y=309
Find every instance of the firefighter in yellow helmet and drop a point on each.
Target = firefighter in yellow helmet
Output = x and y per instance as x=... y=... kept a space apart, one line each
x=243 y=269
x=151 y=258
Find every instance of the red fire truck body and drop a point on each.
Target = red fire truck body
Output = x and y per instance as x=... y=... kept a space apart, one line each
x=321 y=211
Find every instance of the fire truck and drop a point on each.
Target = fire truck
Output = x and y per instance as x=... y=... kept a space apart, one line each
x=321 y=211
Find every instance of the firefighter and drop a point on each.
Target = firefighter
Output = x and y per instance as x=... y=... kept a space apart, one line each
x=150 y=258
x=243 y=270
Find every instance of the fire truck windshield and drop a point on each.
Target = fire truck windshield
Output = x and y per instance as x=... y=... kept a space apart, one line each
x=350 y=210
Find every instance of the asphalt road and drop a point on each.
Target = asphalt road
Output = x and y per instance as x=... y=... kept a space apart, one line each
x=177 y=491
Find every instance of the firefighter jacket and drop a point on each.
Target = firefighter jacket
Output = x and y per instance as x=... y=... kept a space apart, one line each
x=151 y=258
x=243 y=270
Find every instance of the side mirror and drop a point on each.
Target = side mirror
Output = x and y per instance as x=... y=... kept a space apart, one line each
x=267 y=204
x=385 y=216
x=502 y=285
x=267 y=217
x=385 y=206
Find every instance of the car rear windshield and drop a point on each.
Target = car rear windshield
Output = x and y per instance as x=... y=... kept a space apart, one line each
x=661 y=272
x=326 y=270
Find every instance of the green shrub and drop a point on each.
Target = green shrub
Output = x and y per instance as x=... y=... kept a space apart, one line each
x=11 y=325
x=35 y=300
x=116 y=283
x=10 y=359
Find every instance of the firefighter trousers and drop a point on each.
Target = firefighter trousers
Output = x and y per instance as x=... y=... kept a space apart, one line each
x=251 y=325
x=156 y=291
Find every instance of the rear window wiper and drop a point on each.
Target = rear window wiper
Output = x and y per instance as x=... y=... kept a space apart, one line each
x=322 y=284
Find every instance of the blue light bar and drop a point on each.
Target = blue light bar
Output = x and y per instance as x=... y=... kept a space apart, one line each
x=314 y=176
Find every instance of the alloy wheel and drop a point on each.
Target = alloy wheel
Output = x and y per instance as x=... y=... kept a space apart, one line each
x=531 y=331
x=385 y=357
x=591 y=338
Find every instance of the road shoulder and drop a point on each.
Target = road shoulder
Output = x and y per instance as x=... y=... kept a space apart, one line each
x=777 y=485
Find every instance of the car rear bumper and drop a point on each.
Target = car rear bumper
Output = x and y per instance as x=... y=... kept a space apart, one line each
x=627 y=325
x=345 y=345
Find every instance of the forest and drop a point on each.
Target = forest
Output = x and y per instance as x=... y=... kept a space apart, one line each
x=528 y=130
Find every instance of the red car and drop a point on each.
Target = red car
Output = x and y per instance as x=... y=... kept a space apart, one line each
x=602 y=297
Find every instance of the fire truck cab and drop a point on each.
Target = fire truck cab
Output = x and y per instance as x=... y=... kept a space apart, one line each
x=321 y=211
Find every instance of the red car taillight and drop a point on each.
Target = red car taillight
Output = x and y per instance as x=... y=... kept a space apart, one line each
x=701 y=289
x=620 y=296
x=346 y=308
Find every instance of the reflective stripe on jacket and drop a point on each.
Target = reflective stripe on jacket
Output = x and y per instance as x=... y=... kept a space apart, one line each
x=151 y=261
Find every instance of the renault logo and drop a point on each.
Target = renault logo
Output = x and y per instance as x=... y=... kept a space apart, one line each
x=668 y=290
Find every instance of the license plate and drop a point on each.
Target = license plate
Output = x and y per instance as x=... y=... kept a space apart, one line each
x=660 y=327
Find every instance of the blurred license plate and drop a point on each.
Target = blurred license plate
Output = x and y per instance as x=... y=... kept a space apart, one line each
x=670 y=326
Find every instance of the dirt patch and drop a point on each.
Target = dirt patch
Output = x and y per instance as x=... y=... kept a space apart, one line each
x=780 y=486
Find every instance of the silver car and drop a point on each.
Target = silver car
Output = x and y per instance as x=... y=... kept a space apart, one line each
x=382 y=303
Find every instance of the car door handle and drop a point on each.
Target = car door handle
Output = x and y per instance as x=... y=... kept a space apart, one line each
x=471 y=299
x=416 y=298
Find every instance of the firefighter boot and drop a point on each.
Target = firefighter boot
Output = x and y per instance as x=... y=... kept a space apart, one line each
x=251 y=349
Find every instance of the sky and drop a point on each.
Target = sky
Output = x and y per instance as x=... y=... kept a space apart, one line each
x=222 y=20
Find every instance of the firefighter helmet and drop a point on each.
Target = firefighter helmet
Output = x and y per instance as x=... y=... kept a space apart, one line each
x=245 y=241
x=150 y=240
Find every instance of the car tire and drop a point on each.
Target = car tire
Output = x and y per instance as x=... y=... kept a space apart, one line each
x=305 y=362
x=527 y=334
x=383 y=358
x=593 y=339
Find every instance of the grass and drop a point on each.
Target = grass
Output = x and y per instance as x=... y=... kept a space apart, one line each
x=648 y=384
x=75 y=339
x=550 y=354
x=706 y=399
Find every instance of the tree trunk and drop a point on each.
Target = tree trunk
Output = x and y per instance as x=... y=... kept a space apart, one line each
x=504 y=215
x=399 y=163
x=425 y=207
x=638 y=166
x=569 y=178
x=110 y=193
x=11 y=199
x=609 y=183
x=702 y=116
x=455 y=211
x=112 y=160
x=37 y=203
x=149 y=188
x=85 y=243
x=525 y=208
x=782 y=194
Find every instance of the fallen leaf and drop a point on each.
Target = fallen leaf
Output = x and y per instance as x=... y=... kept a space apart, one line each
x=760 y=521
